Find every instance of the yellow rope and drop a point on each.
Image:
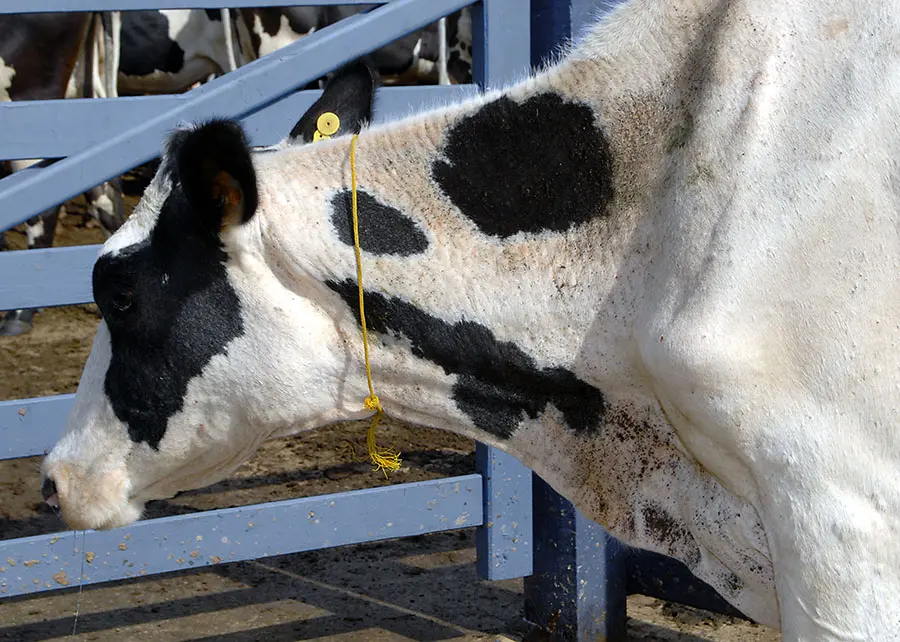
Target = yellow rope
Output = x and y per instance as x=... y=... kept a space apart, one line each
x=384 y=459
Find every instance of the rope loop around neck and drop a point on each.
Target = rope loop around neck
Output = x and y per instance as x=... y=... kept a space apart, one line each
x=385 y=459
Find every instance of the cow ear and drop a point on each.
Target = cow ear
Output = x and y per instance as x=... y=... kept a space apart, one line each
x=344 y=107
x=215 y=170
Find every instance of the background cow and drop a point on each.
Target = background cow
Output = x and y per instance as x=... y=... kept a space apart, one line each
x=169 y=51
x=47 y=56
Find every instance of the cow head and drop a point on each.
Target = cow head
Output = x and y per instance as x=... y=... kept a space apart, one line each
x=188 y=371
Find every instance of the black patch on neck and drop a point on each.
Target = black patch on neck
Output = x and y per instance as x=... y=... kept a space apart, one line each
x=497 y=384
x=182 y=312
x=541 y=165
x=383 y=230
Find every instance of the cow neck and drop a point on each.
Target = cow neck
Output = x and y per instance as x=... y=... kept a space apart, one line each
x=460 y=303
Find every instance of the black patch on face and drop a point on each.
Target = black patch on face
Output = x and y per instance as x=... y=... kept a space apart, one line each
x=170 y=308
x=498 y=385
x=541 y=165
x=383 y=230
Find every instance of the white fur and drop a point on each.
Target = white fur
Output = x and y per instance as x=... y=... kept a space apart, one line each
x=34 y=232
x=737 y=306
x=7 y=73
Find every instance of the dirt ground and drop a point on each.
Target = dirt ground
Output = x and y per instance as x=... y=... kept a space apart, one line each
x=421 y=588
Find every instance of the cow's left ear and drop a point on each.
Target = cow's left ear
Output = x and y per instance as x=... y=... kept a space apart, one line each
x=215 y=170
x=344 y=106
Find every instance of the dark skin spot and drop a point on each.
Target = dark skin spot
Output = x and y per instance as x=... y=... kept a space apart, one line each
x=537 y=166
x=734 y=584
x=383 y=230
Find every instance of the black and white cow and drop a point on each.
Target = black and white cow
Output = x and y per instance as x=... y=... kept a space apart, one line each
x=414 y=58
x=662 y=273
x=169 y=51
x=39 y=54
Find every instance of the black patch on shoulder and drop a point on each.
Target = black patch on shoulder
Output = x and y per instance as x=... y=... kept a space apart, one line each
x=383 y=230
x=536 y=166
x=497 y=383
x=170 y=308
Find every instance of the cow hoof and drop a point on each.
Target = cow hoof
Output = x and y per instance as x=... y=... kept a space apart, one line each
x=14 y=327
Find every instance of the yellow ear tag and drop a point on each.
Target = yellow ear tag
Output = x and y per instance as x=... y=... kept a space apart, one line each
x=327 y=126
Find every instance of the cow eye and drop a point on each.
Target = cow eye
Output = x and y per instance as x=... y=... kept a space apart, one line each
x=121 y=300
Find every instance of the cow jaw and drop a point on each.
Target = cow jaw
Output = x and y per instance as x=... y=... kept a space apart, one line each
x=103 y=477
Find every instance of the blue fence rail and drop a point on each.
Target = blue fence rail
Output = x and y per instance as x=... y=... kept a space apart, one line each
x=577 y=575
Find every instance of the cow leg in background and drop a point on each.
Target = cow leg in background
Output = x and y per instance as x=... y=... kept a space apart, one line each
x=459 y=46
x=105 y=203
x=34 y=74
x=39 y=230
x=111 y=22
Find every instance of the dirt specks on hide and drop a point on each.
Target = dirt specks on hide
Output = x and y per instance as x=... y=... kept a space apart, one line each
x=671 y=533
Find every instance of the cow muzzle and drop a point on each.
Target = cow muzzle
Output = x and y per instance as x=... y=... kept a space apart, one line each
x=89 y=499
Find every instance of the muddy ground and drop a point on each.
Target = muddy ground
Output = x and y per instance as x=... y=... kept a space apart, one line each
x=422 y=588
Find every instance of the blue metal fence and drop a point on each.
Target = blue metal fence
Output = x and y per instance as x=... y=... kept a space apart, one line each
x=100 y=139
x=580 y=574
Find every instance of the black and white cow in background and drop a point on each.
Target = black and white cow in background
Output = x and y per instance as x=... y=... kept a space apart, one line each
x=414 y=58
x=169 y=51
x=662 y=273
x=47 y=56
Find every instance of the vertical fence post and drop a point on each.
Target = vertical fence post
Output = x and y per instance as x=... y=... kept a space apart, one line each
x=504 y=540
x=501 y=55
x=578 y=589
x=555 y=22
x=505 y=55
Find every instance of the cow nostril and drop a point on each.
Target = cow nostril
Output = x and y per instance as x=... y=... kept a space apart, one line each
x=48 y=490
